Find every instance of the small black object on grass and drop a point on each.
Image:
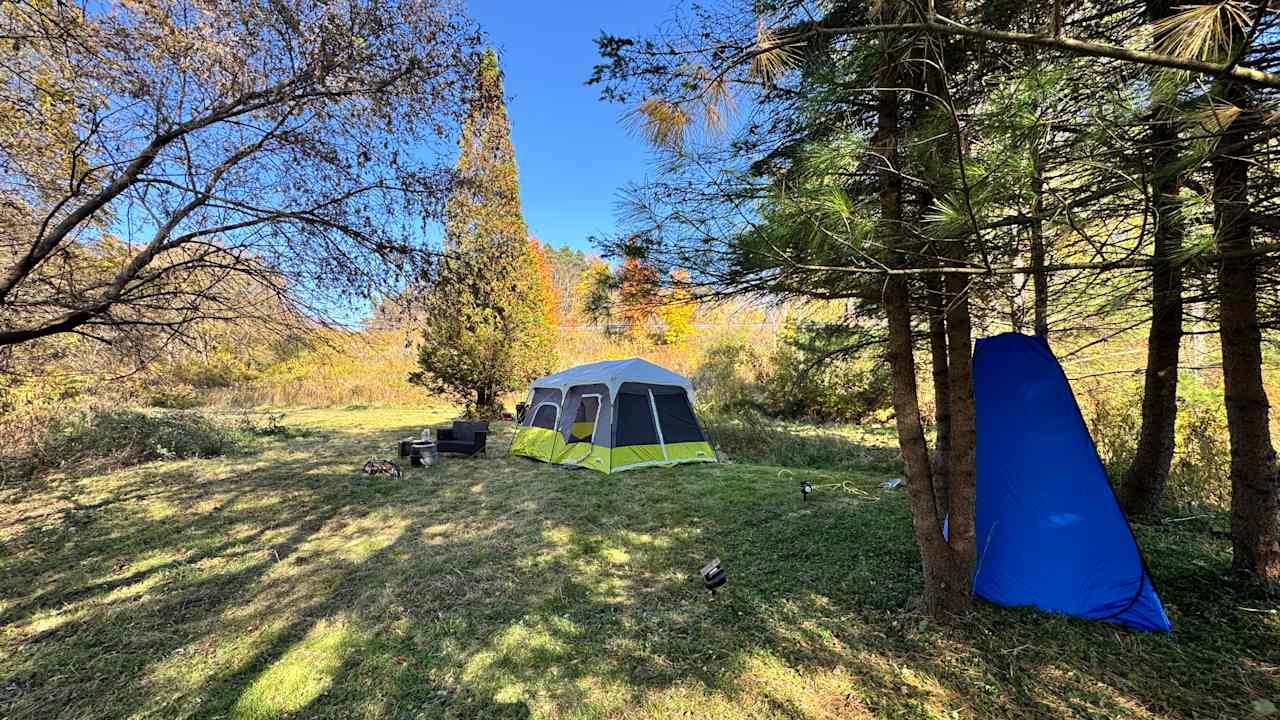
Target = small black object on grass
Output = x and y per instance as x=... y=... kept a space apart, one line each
x=713 y=576
x=806 y=487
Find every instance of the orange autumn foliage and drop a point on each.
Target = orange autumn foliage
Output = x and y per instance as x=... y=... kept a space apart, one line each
x=543 y=275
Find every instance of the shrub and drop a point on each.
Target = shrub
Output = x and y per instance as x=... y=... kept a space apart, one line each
x=1199 y=478
x=811 y=374
x=51 y=388
x=804 y=385
x=728 y=381
x=96 y=439
x=221 y=369
x=333 y=369
x=174 y=397
x=1113 y=412
x=1201 y=472
x=268 y=424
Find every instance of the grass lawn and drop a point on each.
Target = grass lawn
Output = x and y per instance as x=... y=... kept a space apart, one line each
x=281 y=583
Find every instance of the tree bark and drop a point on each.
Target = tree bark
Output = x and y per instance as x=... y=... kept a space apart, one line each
x=1039 y=280
x=1143 y=483
x=936 y=56
x=936 y=301
x=1255 y=486
x=961 y=464
x=484 y=402
x=961 y=439
x=945 y=585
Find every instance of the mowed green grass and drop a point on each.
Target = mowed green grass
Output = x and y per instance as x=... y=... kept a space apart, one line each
x=281 y=583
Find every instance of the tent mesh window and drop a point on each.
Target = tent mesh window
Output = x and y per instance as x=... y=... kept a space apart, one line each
x=678 y=422
x=544 y=417
x=540 y=395
x=583 y=428
x=635 y=417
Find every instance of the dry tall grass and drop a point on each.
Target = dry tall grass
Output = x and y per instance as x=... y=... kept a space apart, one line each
x=371 y=368
x=356 y=369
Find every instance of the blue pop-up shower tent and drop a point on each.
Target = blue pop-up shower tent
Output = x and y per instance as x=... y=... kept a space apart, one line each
x=1050 y=532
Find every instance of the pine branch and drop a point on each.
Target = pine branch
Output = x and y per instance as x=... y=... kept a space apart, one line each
x=1245 y=75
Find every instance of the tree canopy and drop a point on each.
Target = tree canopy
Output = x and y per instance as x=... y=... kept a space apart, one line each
x=167 y=164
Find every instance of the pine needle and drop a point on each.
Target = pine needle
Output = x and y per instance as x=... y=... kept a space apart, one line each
x=774 y=53
x=1201 y=32
x=715 y=97
x=661 y=122
x=1215 y=119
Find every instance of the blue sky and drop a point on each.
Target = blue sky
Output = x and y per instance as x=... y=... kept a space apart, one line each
x=573 y=153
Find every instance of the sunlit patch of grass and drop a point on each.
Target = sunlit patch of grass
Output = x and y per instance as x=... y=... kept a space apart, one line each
x=531 y=641
x=558 y=536
x=644 y=539
x=822 y=694
x=295 y=680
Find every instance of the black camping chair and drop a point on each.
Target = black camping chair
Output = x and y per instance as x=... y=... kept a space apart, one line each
x=464 y=438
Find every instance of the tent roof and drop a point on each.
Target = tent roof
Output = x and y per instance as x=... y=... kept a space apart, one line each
x=613 y=373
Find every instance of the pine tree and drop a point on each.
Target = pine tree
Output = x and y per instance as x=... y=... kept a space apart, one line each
x=486 y=328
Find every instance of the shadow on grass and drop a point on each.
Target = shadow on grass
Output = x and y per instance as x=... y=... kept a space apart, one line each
x=290 y=586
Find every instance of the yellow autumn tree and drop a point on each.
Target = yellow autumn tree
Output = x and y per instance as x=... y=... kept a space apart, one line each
x=676 y=310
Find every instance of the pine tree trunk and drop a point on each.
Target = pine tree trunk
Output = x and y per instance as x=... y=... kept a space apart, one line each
x=961 y=439
x=1255 y=486
x=1040 y=282
x=934 y=61
x=1144 y=481
x=945 y=587
x=941 y=390
x=962 y=480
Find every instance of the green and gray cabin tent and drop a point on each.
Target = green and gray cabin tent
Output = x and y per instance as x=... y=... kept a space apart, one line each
x=611 y=416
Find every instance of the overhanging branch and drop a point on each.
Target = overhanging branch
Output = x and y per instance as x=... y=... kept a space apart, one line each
x=1239 y=73
x=1126 y=264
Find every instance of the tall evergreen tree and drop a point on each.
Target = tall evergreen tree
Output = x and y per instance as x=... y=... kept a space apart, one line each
x=486 y=330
